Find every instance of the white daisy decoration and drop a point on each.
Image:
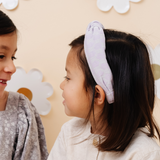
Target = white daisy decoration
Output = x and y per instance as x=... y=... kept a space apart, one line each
x=30 y=84
x=9 y=4
x=121 y=6
x=155 y=61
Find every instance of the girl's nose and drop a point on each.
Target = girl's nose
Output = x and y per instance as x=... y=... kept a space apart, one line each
x=62 y=85
x=10 y=67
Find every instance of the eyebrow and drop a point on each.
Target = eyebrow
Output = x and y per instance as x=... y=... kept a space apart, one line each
x=6 y=48
x=67 y=70
x=16 y=50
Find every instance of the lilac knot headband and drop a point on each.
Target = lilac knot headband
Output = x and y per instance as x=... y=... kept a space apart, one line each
x=94 y=47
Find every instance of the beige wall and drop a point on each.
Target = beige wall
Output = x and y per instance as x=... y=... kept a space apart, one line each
x=47 y=26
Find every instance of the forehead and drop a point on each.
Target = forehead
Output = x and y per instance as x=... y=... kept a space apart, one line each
x=8 y=41
x=72 y=59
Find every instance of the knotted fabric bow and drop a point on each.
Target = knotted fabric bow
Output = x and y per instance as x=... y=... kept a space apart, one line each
x=94 y=47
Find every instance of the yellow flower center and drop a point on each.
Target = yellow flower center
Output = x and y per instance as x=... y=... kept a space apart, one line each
x=26 y=92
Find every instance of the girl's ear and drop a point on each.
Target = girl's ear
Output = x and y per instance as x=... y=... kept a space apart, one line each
x=99 y=95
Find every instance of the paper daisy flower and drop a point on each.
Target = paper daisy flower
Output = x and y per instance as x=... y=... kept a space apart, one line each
x=121 y=6
x=30 y=84
x=155 y=61
x=9 y=4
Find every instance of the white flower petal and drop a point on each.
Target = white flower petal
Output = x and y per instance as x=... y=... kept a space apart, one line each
x=151 y=54
x=35 y=74
x=44 y=110
x=21 y=74
x=40 y=102
x=32 y=81
x=155 y=59
x=48 y=89
x=157 y=88
x=20 y=70
x=157 y=54
x=105 y=5
x=10 y=4
x=135 y=0
x=121 y=6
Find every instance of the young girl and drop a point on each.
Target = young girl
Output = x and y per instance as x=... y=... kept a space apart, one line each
x=21 y=130
x=109 y=87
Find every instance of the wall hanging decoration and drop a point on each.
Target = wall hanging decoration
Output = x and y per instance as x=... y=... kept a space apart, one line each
x=121 y=6
x=9 y=4
x=155 y=61
x=30 y=84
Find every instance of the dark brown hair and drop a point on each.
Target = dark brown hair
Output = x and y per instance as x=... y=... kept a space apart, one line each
x=6 y=24
x=133 y=80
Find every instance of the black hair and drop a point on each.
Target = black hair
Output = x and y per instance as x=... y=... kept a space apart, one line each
x=133 y=86
x=6 y=24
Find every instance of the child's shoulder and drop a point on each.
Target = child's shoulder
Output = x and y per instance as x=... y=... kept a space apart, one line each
x=74 y=123
x=21 y=103
x=142 y=146
x=15 y=100
x=16 y=97
x=142 y=139
x=73 y=126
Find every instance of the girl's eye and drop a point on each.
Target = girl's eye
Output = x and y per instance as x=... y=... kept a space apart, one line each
x=67 y=78
x=13 y=58
x=1 y=56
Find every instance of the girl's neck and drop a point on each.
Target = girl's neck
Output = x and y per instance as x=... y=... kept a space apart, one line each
x=97 y=128
x=3 y=101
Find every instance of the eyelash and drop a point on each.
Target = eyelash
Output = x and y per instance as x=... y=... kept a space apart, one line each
x=2 y=56
x=13 y=58
x=67 y=78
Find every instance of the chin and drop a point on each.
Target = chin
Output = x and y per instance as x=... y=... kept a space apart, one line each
x=67 y=113
x=1 y=93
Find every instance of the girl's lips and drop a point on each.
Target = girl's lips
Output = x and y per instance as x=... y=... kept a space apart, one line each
x=3 y=82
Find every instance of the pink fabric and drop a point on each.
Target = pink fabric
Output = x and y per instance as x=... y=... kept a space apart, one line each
x=94 y=46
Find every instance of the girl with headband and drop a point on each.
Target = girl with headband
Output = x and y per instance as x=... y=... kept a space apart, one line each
x=21 y=130
x=109 y=88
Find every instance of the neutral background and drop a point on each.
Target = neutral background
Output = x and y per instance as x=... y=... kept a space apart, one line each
x=46 y=27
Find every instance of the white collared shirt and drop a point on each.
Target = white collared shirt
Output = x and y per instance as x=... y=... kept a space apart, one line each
x=73 y=143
